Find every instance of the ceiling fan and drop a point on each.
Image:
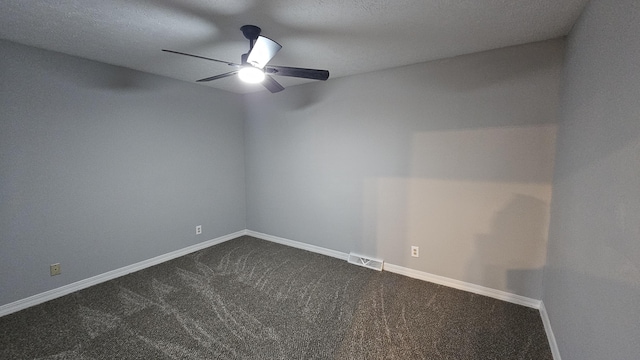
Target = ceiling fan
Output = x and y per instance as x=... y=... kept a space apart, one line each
x=253 y=66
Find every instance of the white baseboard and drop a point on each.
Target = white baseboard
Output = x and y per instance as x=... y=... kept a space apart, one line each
x=441 y=280
x=83 y=284
x=555 y=351
x=299 y=245
x=465 y=286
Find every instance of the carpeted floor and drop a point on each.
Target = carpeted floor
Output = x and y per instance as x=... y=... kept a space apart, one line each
x=252 y=299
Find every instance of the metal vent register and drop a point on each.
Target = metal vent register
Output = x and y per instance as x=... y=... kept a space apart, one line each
x=375 y=264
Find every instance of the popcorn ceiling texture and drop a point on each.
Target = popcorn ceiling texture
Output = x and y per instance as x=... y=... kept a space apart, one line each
x=346 y=38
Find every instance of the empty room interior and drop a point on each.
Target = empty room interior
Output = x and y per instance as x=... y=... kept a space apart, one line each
x=482 y=158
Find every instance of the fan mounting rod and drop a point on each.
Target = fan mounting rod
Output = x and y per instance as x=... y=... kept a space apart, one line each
x=251 y=32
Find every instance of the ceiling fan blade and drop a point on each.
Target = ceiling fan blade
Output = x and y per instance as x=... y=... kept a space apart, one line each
x=201 y=57
x=314 y=74
x=263 y=51
x=271 y=84
x=230 y=73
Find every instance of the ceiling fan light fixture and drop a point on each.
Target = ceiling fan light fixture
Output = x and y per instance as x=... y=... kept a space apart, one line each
x=251 y=74
x=252 y=67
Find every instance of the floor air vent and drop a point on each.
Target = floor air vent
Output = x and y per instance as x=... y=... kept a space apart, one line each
x=375 y=264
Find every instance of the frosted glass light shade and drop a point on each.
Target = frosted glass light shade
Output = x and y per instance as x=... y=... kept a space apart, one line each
x=263 y=50
x=250 y=74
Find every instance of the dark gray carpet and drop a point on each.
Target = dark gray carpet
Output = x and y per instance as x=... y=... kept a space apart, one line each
x=252 y=299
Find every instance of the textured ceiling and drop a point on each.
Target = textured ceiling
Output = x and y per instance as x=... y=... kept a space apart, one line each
x=344 y=37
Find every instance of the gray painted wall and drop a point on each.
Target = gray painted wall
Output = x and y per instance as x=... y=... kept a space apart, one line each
x=592 y=277
x=103 y=167
x=454 y=156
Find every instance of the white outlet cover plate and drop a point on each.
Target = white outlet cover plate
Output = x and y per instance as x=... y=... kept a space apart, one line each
x=415 y=251
x=54 y=269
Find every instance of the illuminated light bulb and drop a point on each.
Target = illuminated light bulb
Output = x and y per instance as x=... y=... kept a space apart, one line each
x=250 y=74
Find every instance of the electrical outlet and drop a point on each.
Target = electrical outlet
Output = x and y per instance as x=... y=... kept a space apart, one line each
x=198 y=229
x=54 y=269
x=415 y=251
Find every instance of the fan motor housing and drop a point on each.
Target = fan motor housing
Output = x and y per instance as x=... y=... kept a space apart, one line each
x=250 y=32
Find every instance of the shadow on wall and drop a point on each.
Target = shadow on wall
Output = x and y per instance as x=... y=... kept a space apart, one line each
x=487 y=68
x=476 y=204
x=512 y=254
x=93 y=75
x=116 y=78
x=444 y=217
